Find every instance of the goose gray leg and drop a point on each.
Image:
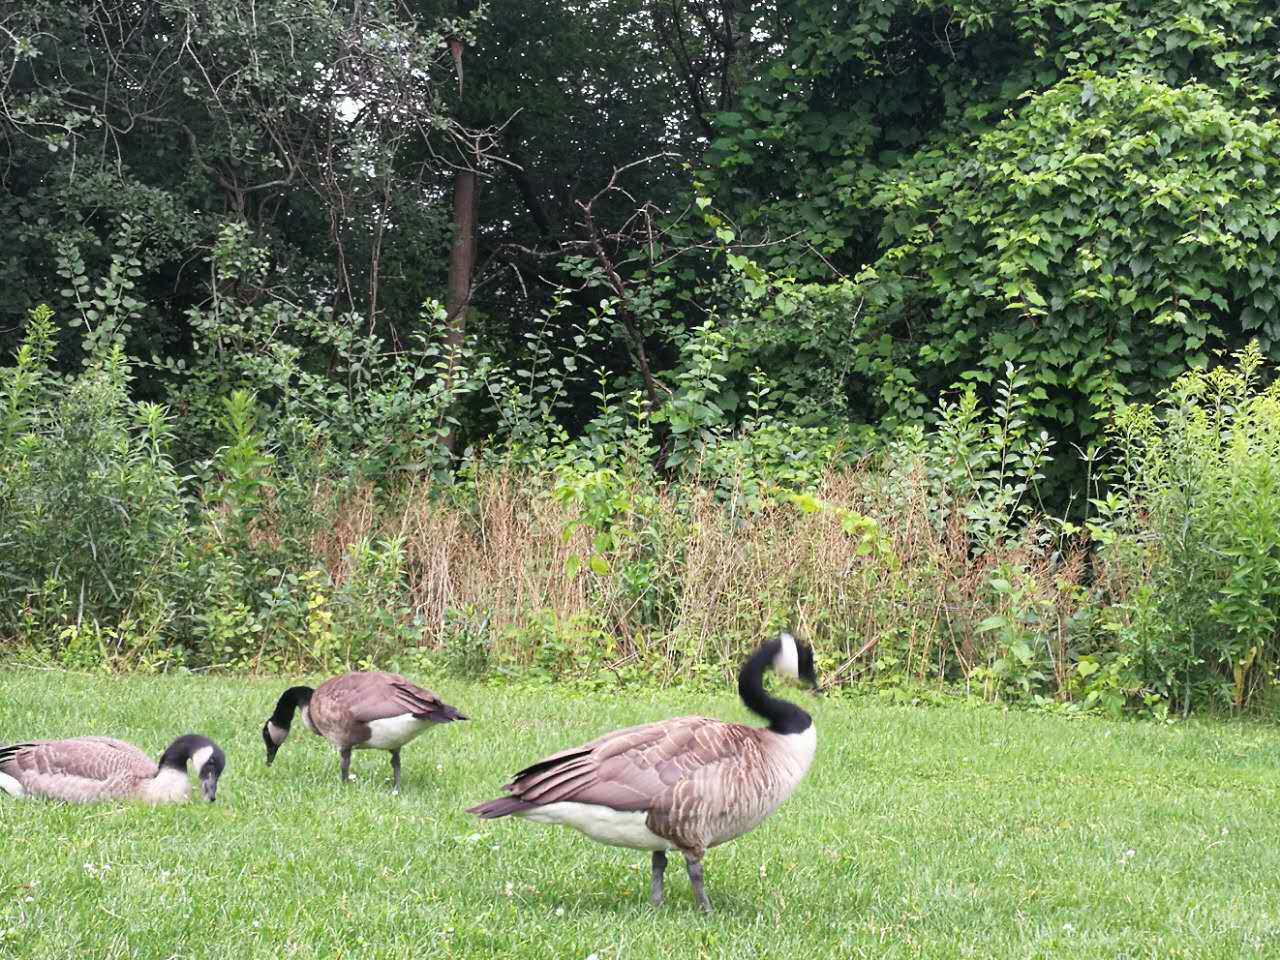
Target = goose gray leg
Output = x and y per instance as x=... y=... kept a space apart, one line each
x=345 y=754
x=395 y=771
x=659 y=868
x=694 y=865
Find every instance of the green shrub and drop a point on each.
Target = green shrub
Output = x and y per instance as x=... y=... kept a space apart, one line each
x=92 y=510
x=1192 y=540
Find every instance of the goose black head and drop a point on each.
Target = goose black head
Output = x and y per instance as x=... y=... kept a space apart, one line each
x=269 y=738
x=793 y=659
x=203 y=754
x=806 y=671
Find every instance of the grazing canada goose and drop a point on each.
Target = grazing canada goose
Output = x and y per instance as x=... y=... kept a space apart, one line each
x=359 y=711
x=686 y=784
x=100 y=768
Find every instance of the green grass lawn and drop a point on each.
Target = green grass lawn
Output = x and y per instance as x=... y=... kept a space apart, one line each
x=950 y=832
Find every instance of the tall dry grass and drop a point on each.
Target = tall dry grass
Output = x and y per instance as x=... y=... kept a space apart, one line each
x=696 y=580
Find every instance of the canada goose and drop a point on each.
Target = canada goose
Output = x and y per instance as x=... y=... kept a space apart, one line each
x=100 y=768
x=359 y=711
x=686 y=784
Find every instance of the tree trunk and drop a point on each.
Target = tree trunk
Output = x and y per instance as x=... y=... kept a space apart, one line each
x=462 y=255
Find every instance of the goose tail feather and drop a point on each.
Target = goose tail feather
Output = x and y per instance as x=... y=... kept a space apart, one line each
x=502 y=807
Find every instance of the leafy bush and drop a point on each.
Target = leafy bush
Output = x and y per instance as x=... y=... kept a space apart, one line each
x=982 y=465
x=367 y=408
x=1109 y=235
x=92 y=510
x=1192 y=535
x=932 y=563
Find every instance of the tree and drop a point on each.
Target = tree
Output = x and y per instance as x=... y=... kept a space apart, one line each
x=131 y=131
x=1084 y=188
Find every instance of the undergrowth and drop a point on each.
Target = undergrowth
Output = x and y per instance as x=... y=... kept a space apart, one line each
x=926 y=564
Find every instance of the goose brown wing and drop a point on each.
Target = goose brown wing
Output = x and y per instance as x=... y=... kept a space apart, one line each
x=377 y=696
x=126 y=752
x=12 y=756
x=84 y=758
x=632 y=769
x=371 y=696
x=421 y=702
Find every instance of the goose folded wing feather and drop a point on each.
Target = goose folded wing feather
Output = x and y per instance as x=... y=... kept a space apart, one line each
x=81 y=768
x=84 y=757
x=375 y=696
x=127 y=752
x=627 y=770
x=415 y=700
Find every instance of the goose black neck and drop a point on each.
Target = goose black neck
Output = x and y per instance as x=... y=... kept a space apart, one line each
x=784 y=717
x=290 y=700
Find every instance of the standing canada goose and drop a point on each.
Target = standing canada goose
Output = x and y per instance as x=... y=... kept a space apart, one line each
x=100 y=768
x=359 y=711
x=686 y=784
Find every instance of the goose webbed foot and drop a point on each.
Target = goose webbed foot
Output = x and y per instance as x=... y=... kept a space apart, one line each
x=655 y=886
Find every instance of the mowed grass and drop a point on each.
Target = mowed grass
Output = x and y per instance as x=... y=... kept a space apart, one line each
x=953 y=832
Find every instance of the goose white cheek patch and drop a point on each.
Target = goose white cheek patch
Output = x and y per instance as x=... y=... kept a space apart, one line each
x=278 y=734
x=787 y=660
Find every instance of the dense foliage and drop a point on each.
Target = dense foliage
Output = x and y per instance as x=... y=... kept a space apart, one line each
x=1084 y=188
x=554 y=336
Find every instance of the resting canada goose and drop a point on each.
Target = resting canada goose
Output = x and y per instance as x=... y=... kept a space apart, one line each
x=359 y=711
x=100 y=768
x=686 y=784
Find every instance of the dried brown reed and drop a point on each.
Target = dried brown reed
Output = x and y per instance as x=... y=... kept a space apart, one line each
x=696 y=579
